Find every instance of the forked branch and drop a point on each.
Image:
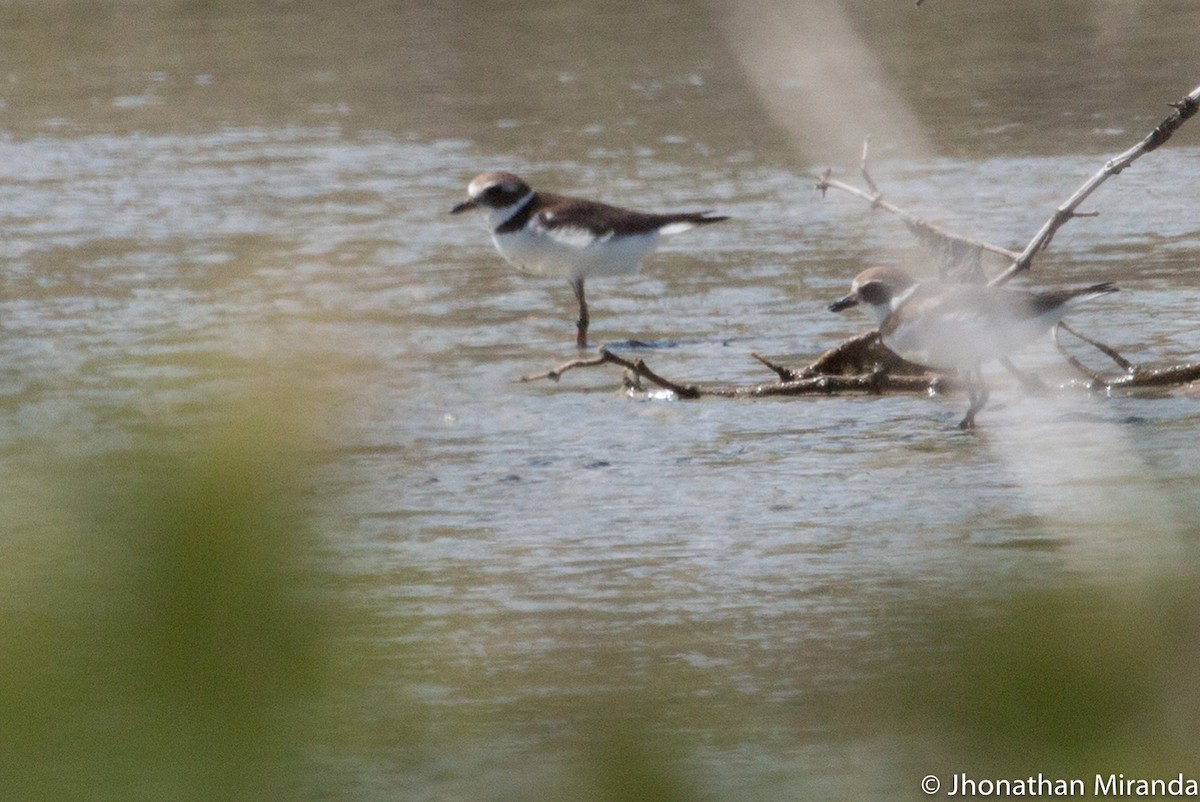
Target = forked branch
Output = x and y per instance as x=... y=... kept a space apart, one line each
x=960 y=256
x=637 y=367
x=1184 y=109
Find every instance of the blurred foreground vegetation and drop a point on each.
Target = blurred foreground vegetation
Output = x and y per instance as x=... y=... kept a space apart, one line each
x=164 y=624
x=175 y=626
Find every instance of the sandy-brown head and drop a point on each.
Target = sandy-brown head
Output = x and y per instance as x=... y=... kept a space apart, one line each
x=875 y=287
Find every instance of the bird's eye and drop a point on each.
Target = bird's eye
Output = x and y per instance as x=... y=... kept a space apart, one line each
x=500 y=195
x=874 y=292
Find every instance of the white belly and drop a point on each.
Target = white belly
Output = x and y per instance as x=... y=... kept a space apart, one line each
x=575 y=253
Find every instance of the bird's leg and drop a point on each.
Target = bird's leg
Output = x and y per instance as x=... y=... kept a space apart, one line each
x=968 y=421
x=581 y=325
x=977 y=391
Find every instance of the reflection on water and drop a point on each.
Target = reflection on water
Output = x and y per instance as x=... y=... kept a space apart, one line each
x=200 y=199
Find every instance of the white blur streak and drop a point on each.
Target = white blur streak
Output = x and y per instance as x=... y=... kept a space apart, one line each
x=1086 y=485
x=819 y=80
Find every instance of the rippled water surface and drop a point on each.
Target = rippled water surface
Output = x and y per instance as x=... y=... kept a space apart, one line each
x=196 y=198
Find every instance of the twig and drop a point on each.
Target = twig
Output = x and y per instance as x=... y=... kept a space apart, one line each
x=784 y=373
x=640 y=368
x=1135 y=376
x=605 y=356
x=1101 y=347
x=862 y=169
x=554 y=374
x=952 y=249
x=1184 y=109
x=956 y=245
x=1071 y=360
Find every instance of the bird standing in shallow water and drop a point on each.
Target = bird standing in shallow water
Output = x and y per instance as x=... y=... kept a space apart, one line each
x=554 y=235
x=959 y=326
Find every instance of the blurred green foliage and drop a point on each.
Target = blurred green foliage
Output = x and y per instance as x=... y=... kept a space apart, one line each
x=165 y=634
x=175 y=628
x=1077 y=679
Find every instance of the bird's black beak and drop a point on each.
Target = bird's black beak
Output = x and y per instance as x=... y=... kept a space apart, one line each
x=464 y=206
x=844 y=303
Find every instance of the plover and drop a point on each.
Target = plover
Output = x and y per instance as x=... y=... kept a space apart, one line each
x=544 y=234
x=959 y=326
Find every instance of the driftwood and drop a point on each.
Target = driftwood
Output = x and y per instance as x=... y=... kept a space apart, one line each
x=805 y=382
x=863 y=365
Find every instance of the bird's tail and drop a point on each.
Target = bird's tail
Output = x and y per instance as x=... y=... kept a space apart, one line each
x=686 y=221
x=1104 y=288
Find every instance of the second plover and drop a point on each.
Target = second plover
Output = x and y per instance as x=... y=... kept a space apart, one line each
x=959 y=326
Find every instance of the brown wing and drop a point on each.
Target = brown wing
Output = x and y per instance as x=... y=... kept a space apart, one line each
x=601 y=218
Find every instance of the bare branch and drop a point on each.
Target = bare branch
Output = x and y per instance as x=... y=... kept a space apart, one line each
x=862 y=169
x=640 y=368
x=1101 y=347
x=957 y=256
x=604 y=356
x=963 y=256
x=1184 y=109
x=1072 y=361
x=554 y=374
x=784 y=373
x=955 y=249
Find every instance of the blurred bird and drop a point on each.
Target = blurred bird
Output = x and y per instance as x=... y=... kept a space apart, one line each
x=958 y=326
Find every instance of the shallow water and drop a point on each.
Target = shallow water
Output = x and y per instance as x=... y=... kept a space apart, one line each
x=200 y=197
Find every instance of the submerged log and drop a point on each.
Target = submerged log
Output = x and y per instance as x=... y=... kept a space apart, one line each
x=899 y=377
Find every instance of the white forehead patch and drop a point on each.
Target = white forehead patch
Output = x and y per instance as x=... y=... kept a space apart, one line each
x=477 y=188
